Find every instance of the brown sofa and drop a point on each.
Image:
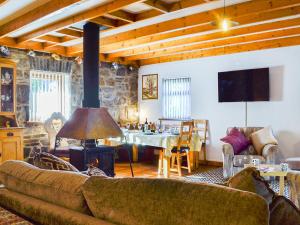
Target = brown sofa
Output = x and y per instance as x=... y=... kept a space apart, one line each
x=58 y=197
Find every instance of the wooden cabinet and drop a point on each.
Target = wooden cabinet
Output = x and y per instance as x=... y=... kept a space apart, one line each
x=11 y=144
x=11 y=137
x=7 y=87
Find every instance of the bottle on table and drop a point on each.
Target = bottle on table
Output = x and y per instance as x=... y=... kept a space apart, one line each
x=146 y=126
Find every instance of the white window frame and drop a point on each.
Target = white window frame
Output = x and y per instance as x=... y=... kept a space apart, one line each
x=179 y=108
x=63 y=95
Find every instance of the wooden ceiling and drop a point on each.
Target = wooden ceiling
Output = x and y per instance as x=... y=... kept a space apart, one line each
x=262 y=24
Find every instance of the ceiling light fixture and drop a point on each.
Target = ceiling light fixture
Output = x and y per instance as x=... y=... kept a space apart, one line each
x=131 y=68
x=56 y=57
x=225 y=24
x=78 y=60
x=4 y=51
x=115 y=66
x=31 y=53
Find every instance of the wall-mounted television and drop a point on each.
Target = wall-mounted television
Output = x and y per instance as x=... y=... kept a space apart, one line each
x=244 y=85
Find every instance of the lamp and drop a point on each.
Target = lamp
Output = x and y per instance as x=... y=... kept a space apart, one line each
x=115 y=66
x=90 y=124
x=55 y=57
x=4 y=51
x=225 y=23
x=31 y=53
x=78 y=60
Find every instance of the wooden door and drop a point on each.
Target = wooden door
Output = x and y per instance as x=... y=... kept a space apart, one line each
x=10 y=149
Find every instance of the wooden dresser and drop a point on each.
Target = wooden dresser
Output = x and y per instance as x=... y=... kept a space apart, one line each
x=11 y=144
x=11 y=136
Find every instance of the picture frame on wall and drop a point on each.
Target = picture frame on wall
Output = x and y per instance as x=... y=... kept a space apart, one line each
x=150 y=86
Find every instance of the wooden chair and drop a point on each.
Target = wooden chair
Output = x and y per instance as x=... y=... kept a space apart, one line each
x=200 y=128
x=183 y=147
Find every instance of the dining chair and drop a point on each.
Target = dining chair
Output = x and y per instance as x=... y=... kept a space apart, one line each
x=183 y=147
x=200 y=128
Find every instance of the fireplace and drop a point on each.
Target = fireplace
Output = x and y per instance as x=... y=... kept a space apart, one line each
x=89 y=125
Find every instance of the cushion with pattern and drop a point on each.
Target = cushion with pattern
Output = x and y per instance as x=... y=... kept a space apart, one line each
x=48 y=161
x=95 y=171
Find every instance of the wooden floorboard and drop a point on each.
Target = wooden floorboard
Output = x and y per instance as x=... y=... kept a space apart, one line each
x=149 y=170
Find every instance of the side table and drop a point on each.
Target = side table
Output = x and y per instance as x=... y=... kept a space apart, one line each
x=267 y=170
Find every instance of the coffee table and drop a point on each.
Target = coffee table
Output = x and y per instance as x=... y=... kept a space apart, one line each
x=268 y=170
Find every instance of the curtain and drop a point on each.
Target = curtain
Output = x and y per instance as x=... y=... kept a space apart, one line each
x=177 y=98
x=49 y=92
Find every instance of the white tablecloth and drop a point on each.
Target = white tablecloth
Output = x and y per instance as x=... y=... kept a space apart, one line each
x=164 y=140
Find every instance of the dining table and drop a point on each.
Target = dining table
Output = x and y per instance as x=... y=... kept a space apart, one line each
x=165 y=142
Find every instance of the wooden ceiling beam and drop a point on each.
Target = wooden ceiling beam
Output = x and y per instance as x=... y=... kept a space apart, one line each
x=31 y=16
x=218 y=43
x=82 y=16
x=259 y=17
x=148 y=14
x=105 y=21
x=271 y=26
x=122 y=15
x=158 y=5
x=186 y=4
x=265 y=44
x=33 y=45
x=242 y=9
x=103 y=58
x=50 y=38
x=71 y=33
x=2 y=2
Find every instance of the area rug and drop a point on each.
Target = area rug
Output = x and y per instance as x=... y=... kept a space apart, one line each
x=215 y=176
x=9 y=218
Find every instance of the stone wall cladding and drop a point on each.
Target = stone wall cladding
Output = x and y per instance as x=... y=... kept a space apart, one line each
x=118 y=91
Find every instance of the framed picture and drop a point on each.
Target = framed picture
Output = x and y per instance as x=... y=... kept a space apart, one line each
x=150 y=86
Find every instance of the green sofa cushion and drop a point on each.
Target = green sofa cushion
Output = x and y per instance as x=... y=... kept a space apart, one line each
x=141 y=201
x=58 y=187
x=42 y=212
x=249 y=179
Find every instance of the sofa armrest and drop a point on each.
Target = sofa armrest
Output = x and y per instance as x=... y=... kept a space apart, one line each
x=293 y=178
x=227 y=149
x=269 y=153
x=228 y=155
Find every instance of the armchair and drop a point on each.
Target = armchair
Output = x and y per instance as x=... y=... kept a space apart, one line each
x=230 y=160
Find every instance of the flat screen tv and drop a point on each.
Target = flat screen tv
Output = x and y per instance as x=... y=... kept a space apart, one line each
x=244 y=85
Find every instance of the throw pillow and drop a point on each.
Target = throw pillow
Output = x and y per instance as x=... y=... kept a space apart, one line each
x=237 y=139
x=250 y=180
x=261 y=138
x=48 y=161
x=283 y=211
x=95 y=171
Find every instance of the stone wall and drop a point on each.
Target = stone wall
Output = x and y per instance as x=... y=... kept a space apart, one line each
x=118 y=92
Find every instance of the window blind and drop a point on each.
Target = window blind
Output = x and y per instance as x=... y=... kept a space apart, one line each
x=49 y=92
x=177 y=98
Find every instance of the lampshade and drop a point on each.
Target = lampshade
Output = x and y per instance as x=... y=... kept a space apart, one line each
x=90 y=123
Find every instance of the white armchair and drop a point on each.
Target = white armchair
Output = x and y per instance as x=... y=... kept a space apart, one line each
x=230 y=160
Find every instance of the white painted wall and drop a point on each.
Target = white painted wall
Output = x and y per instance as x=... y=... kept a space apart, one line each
x=282 y=112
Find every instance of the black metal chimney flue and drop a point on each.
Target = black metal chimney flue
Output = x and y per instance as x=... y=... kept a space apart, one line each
x=91 y=65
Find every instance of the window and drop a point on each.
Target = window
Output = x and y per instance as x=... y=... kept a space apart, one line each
x=49 y=92
x=177 y=98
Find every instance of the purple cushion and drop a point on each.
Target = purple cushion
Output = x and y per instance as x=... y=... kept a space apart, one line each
x=237 y=139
